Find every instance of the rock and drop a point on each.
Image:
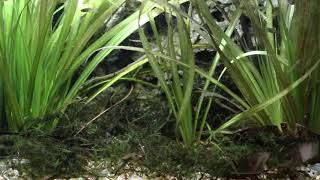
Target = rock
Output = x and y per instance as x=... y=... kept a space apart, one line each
x=308 y=151
x=299 y=153
x=316 y=167
x=314 y=170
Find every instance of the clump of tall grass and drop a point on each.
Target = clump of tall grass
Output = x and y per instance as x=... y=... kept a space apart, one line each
x=282 y=85
x=176 y=60
x=42 y=45
x=278 y=79
x=179 y=93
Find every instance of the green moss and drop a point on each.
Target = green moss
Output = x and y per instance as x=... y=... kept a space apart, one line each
x=139 y=132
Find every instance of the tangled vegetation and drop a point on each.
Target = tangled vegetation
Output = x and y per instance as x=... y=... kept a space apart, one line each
x=158 y=114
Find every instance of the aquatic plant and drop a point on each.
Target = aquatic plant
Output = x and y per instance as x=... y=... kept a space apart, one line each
x=279 y=78
x=42 y=46
x=174 y=65
x=180 y=92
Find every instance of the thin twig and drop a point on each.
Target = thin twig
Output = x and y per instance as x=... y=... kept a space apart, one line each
x=88 y=123
x=111 y=75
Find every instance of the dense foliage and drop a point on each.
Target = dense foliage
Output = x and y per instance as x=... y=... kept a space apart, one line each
x=42 y=46
x=49 y=49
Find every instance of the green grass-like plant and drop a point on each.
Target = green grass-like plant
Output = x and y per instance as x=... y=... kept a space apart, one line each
x=42 y=45
x=178 y=93
x=278 y=79
x=281 y=86
x=176 y=60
